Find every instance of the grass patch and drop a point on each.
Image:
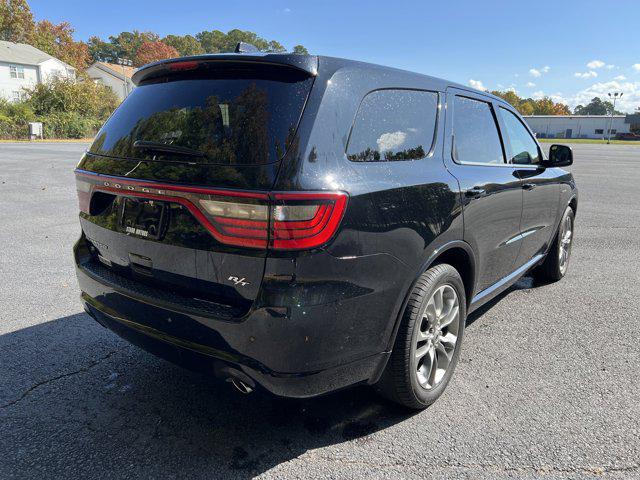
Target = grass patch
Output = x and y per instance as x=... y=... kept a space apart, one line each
x=588 y=140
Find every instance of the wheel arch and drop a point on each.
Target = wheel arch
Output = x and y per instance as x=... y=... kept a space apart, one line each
x=459 y=255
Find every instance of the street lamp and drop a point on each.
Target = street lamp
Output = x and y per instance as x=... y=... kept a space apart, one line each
x=124 y=62
x=615 y=96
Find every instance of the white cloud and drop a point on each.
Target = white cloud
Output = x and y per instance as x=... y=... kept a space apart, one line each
x=537 y=95
x=610 y=67
x=477 y=84
x=595 y=64
x=589 y=74
x=389 y=141
x=537 y=72
x=628 y=103
x=531 y=84
x=636 y=67
x=620 y=78
x=287 y=10
x=512 y=88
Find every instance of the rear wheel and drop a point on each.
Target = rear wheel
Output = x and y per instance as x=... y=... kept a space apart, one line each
x=429 y=338
x=556 y=263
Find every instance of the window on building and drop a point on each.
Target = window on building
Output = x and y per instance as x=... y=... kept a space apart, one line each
x=613 y=131
x=16 y=71
x=16 y=96
x=599 y=131
x=476 y=138
x=523 y=149
x=393 y=125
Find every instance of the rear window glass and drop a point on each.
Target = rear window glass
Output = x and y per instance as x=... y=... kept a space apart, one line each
x=235 y=117
x=393 y=125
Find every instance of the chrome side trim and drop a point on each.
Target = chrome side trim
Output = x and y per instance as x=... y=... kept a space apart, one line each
x=502 y=284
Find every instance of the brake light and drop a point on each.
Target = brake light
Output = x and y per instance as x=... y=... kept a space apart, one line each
x=305 y=220
x=182 y=66
x=279 y=220
x=83 y=188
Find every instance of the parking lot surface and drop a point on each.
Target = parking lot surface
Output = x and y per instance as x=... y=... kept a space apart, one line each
x=547 y=384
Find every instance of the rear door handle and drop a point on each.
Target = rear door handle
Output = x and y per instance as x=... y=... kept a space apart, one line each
x=475 y=192
x=528 y=186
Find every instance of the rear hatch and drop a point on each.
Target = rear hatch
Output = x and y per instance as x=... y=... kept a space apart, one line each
x=174 y=191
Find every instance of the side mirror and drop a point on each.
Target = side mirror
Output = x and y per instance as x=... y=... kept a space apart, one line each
x=560 y=156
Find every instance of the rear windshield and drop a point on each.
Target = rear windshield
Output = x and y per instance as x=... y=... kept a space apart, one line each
x=231 y=116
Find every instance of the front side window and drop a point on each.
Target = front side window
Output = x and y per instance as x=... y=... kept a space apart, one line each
x=393 y=125
x=523 y=148
x=476 y=138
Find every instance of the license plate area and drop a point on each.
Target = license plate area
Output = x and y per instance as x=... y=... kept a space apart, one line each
x=143 y=218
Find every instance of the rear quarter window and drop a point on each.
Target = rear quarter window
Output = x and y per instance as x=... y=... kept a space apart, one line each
x=393 y=125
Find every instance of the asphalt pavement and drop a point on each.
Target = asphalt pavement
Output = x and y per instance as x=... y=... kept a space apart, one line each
x=547 y=385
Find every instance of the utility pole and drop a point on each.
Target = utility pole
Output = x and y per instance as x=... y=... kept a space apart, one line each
x=615 y=97
x=124 y=62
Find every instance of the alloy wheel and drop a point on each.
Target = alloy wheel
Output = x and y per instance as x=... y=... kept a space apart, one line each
x=436 y=337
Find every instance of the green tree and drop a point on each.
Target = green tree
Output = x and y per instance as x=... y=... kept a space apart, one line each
x=301 y=50
x=185 y=44
x=16 y=21
x=123 y=45
x=596 y=106
x=215 y=41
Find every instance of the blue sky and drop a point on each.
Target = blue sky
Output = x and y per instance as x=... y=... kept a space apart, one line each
x=570 y=50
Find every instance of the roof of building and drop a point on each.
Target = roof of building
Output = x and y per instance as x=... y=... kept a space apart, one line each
x=115 y=69
x=23 y=54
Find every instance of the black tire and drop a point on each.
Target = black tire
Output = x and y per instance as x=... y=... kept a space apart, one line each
x=553 y=269
x=400 y=380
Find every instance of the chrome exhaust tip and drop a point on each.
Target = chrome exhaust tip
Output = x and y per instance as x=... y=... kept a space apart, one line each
x=241 y=386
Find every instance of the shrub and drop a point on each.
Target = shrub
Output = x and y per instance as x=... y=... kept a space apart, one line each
x=69 y=125
x=84 y=97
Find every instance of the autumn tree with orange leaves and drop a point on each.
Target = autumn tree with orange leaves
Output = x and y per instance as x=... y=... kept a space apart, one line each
x=154 y=51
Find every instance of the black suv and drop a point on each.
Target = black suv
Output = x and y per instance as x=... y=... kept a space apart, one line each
x=302 y=224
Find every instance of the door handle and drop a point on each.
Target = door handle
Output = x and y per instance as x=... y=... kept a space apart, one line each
x=528 y=186
x=475 y=192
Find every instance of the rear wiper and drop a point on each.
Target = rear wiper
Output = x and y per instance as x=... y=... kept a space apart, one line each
x=166 y=148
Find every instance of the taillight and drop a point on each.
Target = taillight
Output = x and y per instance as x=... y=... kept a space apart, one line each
x=305 y=220
x=279 y=220
x=83 y=188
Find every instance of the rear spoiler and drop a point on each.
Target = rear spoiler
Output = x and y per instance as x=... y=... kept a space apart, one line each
x=304 y=63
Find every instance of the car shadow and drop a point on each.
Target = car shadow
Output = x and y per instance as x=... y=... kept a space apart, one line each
x=73 y=390
x=76 y=401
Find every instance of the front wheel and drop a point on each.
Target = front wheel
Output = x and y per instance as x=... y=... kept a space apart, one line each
x=556 y=263
x=429 y=338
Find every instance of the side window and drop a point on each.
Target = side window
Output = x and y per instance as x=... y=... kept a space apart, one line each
x=524 y=150
x=476 y=138
x=393 y=125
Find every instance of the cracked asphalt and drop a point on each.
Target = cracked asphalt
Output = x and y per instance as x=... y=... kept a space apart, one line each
x=547 y=385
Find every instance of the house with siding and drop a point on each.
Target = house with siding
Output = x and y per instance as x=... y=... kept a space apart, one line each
x=24 y=66
x=116 y=77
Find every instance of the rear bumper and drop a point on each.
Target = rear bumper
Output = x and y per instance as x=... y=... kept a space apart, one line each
x=261 y=349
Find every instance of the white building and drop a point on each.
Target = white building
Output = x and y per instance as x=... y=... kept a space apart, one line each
x=578 y=126
x=116 y=77
x=23 y=66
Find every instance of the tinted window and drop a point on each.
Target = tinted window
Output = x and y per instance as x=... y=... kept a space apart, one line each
x=523 y=148
x=233 y=116
x=476 y=138
x=393 y=125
